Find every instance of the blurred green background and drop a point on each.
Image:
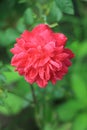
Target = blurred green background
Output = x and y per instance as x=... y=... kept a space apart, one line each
x=60 y=107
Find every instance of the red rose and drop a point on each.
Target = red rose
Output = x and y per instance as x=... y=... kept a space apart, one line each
x=41 y=56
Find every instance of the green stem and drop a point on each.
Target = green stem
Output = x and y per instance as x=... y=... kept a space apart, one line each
x=33 y=95
x=36 y=105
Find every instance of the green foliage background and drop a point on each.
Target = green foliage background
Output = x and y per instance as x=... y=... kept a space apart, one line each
x=60 y=107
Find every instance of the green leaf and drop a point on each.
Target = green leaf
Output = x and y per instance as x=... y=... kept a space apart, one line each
x=8 y=36
x=65 y=6
x=3 y=95
x=11 y=34
x=2 y=78
x=55 y=14
x=47 y=127
x=79 y=88
x=21 y=25
x=12 y=104
x=80 y=123
x=2 y=38
x=23 y=90
x=4 y=69
x=11 y=76
x=68 y=110
x=28 y=16
x=1 y=102
x=65 y=126
x=82 y=51
x=22 y=1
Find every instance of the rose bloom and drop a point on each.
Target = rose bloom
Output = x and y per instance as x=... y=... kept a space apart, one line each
x=40 y=55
